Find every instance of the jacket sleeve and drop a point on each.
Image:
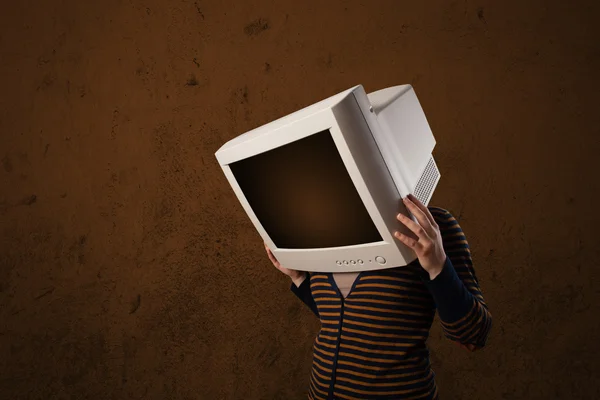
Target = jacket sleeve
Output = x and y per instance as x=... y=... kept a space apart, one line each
x=464 y=315
x=303 y=292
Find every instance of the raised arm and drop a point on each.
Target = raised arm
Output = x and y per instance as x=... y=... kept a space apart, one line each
x=464 y=315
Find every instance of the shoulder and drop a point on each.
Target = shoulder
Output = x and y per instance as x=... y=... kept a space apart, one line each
x=438 y=210
x=441 y=215
x=449 y=227
x=446 y=221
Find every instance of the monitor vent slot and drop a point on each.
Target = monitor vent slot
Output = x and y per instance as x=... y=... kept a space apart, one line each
x=427 y=182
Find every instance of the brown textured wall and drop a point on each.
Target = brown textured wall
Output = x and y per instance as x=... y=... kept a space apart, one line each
x=129 y=270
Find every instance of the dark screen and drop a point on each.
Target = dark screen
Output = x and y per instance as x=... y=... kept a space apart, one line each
x=303 y=196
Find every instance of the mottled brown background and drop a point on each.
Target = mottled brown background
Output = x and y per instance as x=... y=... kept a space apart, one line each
x=129 y=270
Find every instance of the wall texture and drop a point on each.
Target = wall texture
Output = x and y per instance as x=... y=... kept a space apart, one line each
x=129 y=271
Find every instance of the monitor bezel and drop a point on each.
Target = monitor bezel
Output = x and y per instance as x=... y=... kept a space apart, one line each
x=347 y=112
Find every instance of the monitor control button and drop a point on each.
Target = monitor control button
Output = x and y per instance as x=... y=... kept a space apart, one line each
x=380 y=260
x=353 y=262
x=361 y=262
x=338 y=262
x=345 y=262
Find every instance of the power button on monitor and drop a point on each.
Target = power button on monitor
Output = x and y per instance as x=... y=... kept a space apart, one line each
x=380 y=260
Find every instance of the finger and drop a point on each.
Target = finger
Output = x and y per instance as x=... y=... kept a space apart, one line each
x=414 y=227
x=272 y=257
x=423 y=208
x=274 y=261
x=412 y=243
x=419 y=215
x=270 y=254
x=268 y=249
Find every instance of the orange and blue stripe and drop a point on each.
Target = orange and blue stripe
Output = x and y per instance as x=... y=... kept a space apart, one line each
x=372 y=343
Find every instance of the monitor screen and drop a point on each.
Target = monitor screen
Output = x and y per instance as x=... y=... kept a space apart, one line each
x=303 y=196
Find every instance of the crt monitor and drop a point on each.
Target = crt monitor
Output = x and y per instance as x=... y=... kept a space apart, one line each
x=323 y=185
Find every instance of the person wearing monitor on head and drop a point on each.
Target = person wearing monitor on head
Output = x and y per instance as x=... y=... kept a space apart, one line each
x=384 y=316
x=339 y=191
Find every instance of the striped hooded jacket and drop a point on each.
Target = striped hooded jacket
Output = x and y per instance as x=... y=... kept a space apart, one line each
x=371 y=344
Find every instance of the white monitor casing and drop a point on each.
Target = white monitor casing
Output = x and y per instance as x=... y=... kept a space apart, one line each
x=386 y=145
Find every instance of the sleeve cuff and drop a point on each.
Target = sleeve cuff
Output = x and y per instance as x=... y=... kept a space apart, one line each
x=303 y=292
x=447 y=274
x=303 y=288
x=452 y=299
